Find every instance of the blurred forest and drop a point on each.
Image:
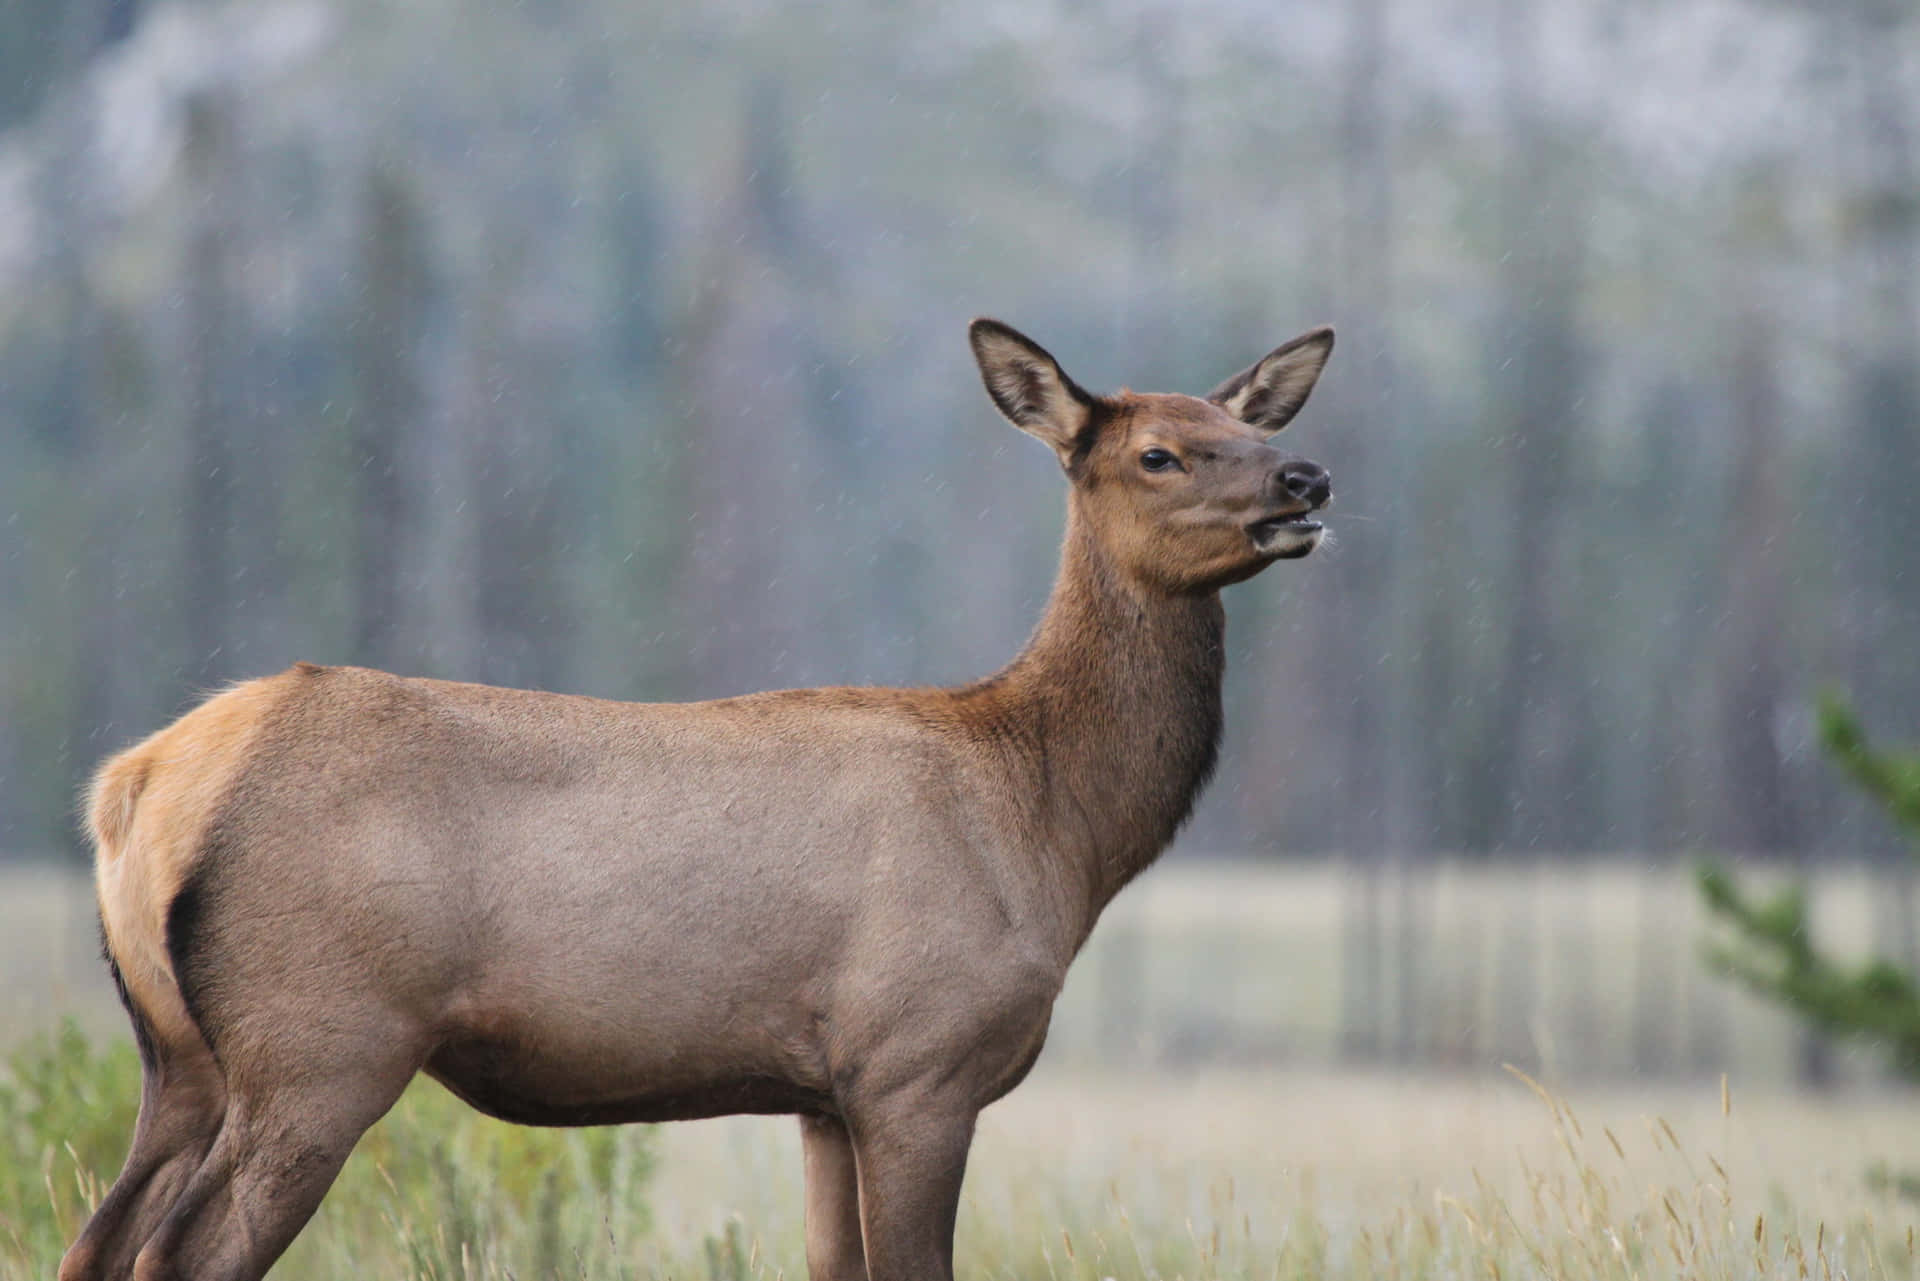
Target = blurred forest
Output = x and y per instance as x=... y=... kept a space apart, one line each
x=619 y=349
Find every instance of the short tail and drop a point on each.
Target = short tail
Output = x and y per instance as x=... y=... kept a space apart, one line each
x=134 y=893
x=149 y=810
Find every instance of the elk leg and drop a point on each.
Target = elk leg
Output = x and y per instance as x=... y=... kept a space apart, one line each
x=182 y=1099
x=834 y=1249
x=912 y=1157
x=155 y=1262
x=276 y=1156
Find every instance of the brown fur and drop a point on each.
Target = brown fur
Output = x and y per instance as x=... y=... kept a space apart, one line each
x=857 y=905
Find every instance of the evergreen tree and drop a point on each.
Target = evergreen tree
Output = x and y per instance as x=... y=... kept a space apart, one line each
x=1772 y=950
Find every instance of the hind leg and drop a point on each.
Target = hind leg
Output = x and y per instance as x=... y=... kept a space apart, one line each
x=182 y=1100
x=278 y=1151
x=834 y=1249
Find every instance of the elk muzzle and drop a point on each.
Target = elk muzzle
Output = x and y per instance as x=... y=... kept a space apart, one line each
x=1300 y=488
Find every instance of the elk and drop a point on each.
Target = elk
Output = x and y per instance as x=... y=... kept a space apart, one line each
x=853 y=905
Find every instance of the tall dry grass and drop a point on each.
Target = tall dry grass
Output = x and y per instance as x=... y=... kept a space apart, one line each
x=1086 y=1176
x=1310 y=1175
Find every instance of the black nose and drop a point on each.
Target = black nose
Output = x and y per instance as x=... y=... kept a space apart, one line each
x=1306 y=481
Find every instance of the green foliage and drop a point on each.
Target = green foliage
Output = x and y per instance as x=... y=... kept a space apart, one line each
x=447 y=1191
x=1772 y=950
x=1887 y=1181
x=66 y=1111
x=435 y=1190
x=1890 y=778
x=729 y=1255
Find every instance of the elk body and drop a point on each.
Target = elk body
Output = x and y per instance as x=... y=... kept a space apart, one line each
x=853 y=905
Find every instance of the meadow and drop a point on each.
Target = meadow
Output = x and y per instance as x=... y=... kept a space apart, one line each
x=1219 y=1137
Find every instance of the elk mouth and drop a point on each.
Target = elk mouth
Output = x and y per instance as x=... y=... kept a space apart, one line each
x=1286 y=537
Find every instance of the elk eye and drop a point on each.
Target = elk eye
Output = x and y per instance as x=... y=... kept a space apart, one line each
x=1159 y=460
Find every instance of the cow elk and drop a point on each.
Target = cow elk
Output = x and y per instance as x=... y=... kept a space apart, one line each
x=852 y=905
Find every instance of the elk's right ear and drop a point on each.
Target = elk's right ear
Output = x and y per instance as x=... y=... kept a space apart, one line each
x=1029 y=387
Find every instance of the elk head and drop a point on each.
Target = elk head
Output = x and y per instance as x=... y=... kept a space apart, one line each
x=1183 y=495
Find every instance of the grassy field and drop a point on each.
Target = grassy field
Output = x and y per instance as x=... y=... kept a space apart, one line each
x=1304 y=1175
x=1112 y=1161
x=1088 y=1175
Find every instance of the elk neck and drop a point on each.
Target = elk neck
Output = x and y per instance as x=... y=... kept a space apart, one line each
x=1114 y=706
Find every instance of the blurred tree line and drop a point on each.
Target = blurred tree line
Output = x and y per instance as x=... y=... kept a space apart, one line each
x=618 y=349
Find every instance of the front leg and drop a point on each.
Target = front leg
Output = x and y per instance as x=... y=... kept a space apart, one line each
x=834 y=1252
x=912 y=1154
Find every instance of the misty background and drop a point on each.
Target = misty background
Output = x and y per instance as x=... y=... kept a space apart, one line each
x=619 y=349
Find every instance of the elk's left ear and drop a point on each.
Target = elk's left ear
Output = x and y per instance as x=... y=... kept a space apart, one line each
x=1268 y=395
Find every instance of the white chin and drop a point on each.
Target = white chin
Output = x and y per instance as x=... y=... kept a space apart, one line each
x=1286 y=543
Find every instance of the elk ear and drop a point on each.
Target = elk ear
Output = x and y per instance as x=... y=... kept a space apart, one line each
x=1029 y=387
x=1268 y=395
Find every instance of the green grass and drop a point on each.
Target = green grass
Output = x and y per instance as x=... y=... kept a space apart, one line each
x=1128 y=1155
x=1207 y=1177
x=66 y=1112
x=434 y=1191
